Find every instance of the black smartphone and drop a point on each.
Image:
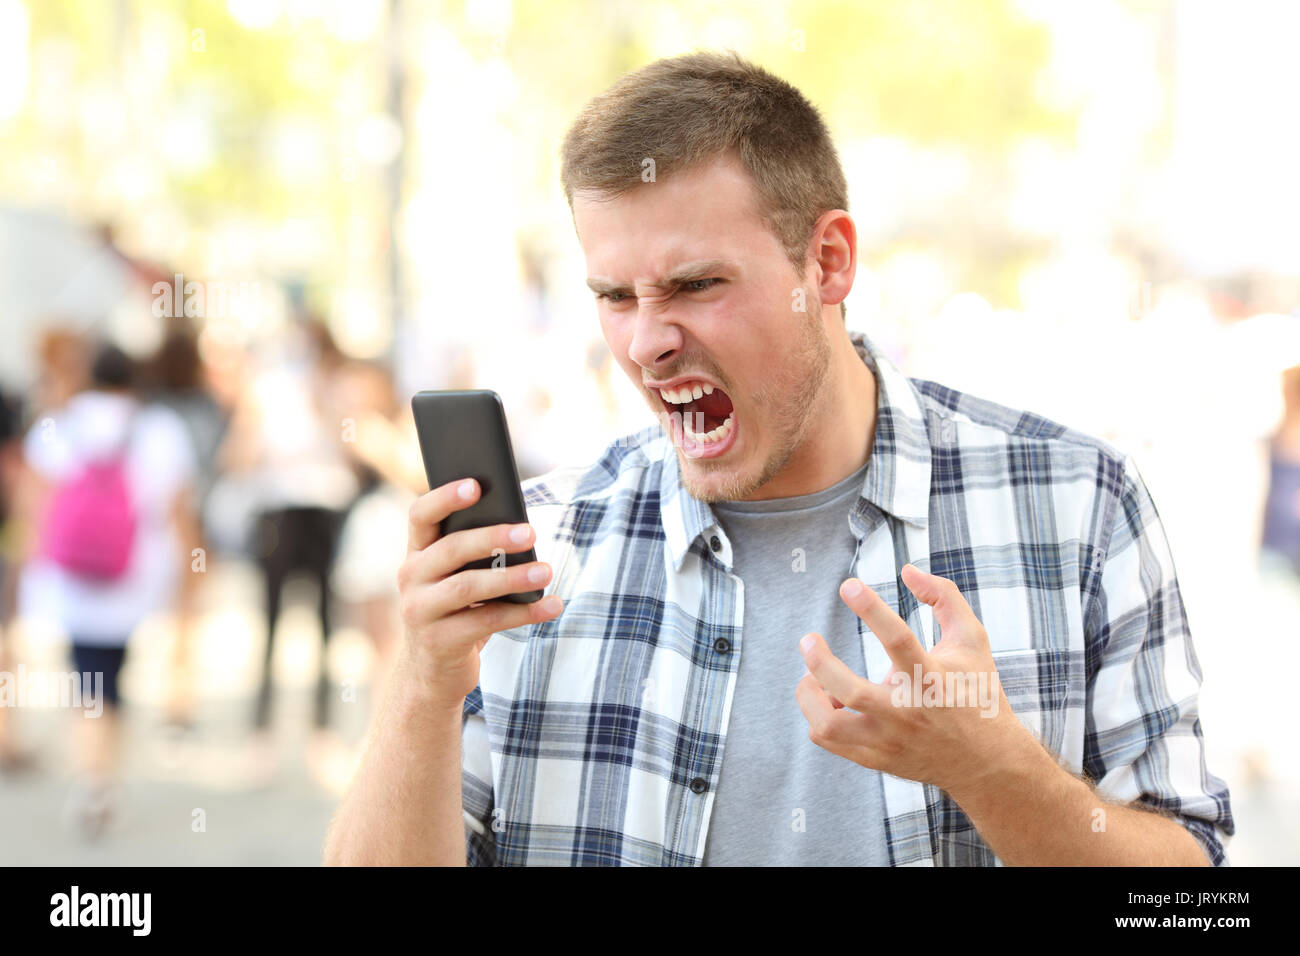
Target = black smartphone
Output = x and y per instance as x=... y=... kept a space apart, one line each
x=463 y=434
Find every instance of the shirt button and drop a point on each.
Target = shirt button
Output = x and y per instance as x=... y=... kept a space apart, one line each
x=715 y=544
x=698 y=785
x=722 y=645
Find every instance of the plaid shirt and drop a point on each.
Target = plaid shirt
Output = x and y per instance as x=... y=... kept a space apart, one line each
x=597 y=738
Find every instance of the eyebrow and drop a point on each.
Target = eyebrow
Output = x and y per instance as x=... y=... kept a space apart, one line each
x=689 y=272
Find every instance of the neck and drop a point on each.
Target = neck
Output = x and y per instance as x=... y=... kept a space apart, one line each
x=844 y=428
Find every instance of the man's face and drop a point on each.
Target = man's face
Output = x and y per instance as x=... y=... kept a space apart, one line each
x=695 y=291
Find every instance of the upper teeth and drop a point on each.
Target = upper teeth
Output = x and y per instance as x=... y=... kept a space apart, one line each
x=685 y=393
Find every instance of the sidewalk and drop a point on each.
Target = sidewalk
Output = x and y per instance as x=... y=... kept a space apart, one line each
x=189 y=802
x=210 y=796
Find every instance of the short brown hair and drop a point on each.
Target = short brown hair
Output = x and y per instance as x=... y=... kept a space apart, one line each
x=688 y=110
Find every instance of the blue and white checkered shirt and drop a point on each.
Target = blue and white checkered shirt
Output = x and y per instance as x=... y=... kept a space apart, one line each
x=597 y=738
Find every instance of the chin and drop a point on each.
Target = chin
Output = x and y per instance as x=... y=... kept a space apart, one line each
x=708 y=483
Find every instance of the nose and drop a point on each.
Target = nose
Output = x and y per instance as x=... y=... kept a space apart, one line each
x=656 y=340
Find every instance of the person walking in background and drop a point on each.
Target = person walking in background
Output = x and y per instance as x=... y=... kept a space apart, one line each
x=1263 y=760
x=282 y=440
x=1281 y=538
x=388 y=465
x=12 y=757
x=131 y=467
x=174 y=378
x=62 y=368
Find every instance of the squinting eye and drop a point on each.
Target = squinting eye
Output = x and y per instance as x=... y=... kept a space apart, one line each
x=611 y=296
x=693 y=285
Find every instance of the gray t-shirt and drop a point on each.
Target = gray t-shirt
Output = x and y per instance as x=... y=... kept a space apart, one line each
x=782 y=800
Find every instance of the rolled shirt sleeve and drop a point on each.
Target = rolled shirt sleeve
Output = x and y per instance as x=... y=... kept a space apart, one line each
x=1144 y=740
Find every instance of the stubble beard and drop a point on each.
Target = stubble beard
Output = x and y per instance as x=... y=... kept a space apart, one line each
x=792 y=404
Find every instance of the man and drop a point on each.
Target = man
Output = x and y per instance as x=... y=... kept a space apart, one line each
x=658 y=706
x=132 y=465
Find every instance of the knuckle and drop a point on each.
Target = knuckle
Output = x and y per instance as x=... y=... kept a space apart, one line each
x=416 y=512
x=496 y=616
x=461 y=587
x=500 y=536
x=449 y=550
x=412 y=610
x=404 y=572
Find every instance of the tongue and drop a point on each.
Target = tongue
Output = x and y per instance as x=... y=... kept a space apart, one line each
x=715 y=405
x=707 y=412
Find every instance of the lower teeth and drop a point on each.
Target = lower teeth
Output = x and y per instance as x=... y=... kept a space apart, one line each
x=710 y=437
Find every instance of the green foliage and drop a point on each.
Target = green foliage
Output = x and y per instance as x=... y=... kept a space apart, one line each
x=961 y=73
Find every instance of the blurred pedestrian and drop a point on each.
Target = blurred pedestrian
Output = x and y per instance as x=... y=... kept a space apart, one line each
x=390 y=474
x=131 y=467
x=284 y=441
x=12 y=756
x=1281 y=539
x=174 y=378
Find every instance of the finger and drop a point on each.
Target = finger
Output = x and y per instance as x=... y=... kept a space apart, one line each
x=432 y=606
x=838 y=678
x=460 y=590
x=452 y=552
x=951 y=610
x=841 y=732
x=471 y=624
x=904 y=650
x=835 y=702
x=430 y=509
x=814 y=701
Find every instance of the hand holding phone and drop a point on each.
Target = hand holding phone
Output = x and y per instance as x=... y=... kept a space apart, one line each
x=463 y=434
x=450 y=612
x=470 y=569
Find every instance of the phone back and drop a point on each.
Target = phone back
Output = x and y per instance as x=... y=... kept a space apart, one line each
x=463 y=434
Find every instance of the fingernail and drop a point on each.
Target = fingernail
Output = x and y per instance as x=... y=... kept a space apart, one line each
x=466 y=489
x=538 y=573
x=852 y=588
x=519 y=533
x=806 y=642
x=551 y=605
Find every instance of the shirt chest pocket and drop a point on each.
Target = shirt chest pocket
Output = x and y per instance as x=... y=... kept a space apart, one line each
x=1045 y=690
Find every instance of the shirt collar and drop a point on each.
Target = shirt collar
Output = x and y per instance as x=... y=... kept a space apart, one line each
x=898 y=472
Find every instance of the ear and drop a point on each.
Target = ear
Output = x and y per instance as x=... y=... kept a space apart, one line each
x=834 y=249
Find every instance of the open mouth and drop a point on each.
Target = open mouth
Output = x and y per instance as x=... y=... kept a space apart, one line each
x=702 y=416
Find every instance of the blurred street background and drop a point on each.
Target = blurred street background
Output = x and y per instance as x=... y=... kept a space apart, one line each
x=237 y=235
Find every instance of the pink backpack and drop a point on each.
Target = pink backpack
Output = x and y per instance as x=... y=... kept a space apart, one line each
x=90 y=525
